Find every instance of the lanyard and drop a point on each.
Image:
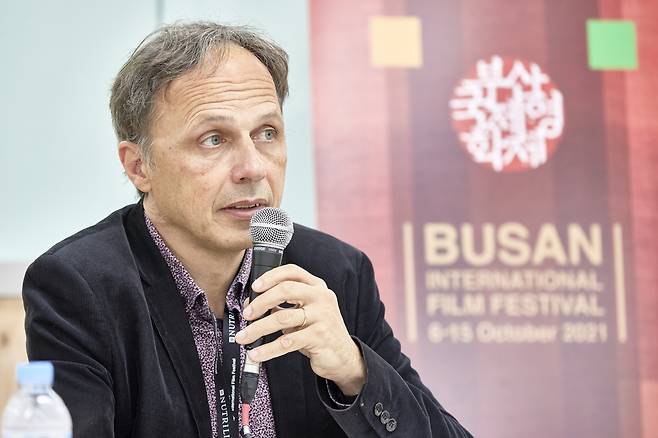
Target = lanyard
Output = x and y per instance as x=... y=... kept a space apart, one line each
x=227 y=379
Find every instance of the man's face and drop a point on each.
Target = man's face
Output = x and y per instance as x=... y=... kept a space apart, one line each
x=219 y=153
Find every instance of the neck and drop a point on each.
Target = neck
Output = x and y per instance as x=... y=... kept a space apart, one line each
x=213 y=271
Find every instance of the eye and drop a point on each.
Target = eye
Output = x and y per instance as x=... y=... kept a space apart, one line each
x=267 y=134
x=212 y=141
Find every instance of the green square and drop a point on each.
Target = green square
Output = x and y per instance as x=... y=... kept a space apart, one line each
x=611 y=45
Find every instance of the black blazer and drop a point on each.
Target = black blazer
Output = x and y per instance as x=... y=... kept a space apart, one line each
x=103 y=306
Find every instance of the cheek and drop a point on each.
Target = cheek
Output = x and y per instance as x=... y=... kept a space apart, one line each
x=278 y=161
x=189 y=182
x=205 y=188
x=277 y=177
x=282 y=164
x=207 y=182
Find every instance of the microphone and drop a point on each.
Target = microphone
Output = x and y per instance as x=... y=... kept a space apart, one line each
x=271 y=230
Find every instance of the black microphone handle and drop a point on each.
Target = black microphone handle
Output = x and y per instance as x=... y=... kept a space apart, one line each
x=264 y=258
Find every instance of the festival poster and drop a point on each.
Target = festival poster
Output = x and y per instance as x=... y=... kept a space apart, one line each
x=487 y=155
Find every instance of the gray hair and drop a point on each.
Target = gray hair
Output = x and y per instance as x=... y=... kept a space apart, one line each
x=170 y=52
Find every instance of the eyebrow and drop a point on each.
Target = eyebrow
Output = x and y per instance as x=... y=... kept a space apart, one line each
x=228 y=118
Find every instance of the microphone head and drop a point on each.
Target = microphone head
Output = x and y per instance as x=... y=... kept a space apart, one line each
x=272 y=227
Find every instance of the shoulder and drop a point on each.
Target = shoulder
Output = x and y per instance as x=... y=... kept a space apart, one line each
x=97 y=248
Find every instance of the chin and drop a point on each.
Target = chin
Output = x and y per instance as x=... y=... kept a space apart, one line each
x=238 y=243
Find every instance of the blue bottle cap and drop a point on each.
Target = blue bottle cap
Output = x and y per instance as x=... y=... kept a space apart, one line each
x=35 y=373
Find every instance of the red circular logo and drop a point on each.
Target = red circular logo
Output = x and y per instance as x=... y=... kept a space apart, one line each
x=508 y=114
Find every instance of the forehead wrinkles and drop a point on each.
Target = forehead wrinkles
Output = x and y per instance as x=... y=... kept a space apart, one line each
x=197 y=95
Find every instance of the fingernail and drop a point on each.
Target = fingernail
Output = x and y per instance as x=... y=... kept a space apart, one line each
x=247 y=312
x=240 y=336
x=257 y=284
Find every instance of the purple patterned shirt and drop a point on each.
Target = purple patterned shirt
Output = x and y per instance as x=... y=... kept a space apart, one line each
x=202 y=323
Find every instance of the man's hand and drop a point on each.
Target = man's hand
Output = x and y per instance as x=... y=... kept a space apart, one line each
x=315 y=327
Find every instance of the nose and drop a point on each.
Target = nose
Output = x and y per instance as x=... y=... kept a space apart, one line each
x=249 y=165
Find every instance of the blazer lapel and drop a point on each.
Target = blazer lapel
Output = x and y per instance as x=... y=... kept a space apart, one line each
x=287 y=376
x=287 y=379
x=169 y=318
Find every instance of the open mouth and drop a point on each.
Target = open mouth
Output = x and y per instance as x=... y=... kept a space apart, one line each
x=245 y=209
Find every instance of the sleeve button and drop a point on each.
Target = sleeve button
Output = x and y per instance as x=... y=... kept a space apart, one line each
x=391 y=425
x=384 y=417
x=378 y=409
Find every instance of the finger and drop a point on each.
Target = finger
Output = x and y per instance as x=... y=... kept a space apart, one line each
x=282 y=273
x=280 y=320
x=283 y=344
x=290 y=291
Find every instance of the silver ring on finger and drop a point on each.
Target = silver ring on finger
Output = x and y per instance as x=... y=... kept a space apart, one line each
x=303 y=324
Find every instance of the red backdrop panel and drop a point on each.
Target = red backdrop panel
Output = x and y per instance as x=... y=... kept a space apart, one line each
x=389 y=159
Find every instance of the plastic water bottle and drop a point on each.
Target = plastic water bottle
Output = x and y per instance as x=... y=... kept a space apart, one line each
x=35 y=410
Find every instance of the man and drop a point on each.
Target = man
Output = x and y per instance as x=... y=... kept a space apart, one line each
x=135 y=311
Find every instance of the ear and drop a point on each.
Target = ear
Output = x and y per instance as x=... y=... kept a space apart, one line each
x=135 y=166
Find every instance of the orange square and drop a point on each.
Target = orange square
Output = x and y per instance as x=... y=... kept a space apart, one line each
x=396 y=41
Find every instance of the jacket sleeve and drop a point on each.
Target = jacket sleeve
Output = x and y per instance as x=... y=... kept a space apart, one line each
x=394 y=402
x=64 y=324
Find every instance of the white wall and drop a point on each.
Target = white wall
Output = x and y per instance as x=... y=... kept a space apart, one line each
x=59 y=170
